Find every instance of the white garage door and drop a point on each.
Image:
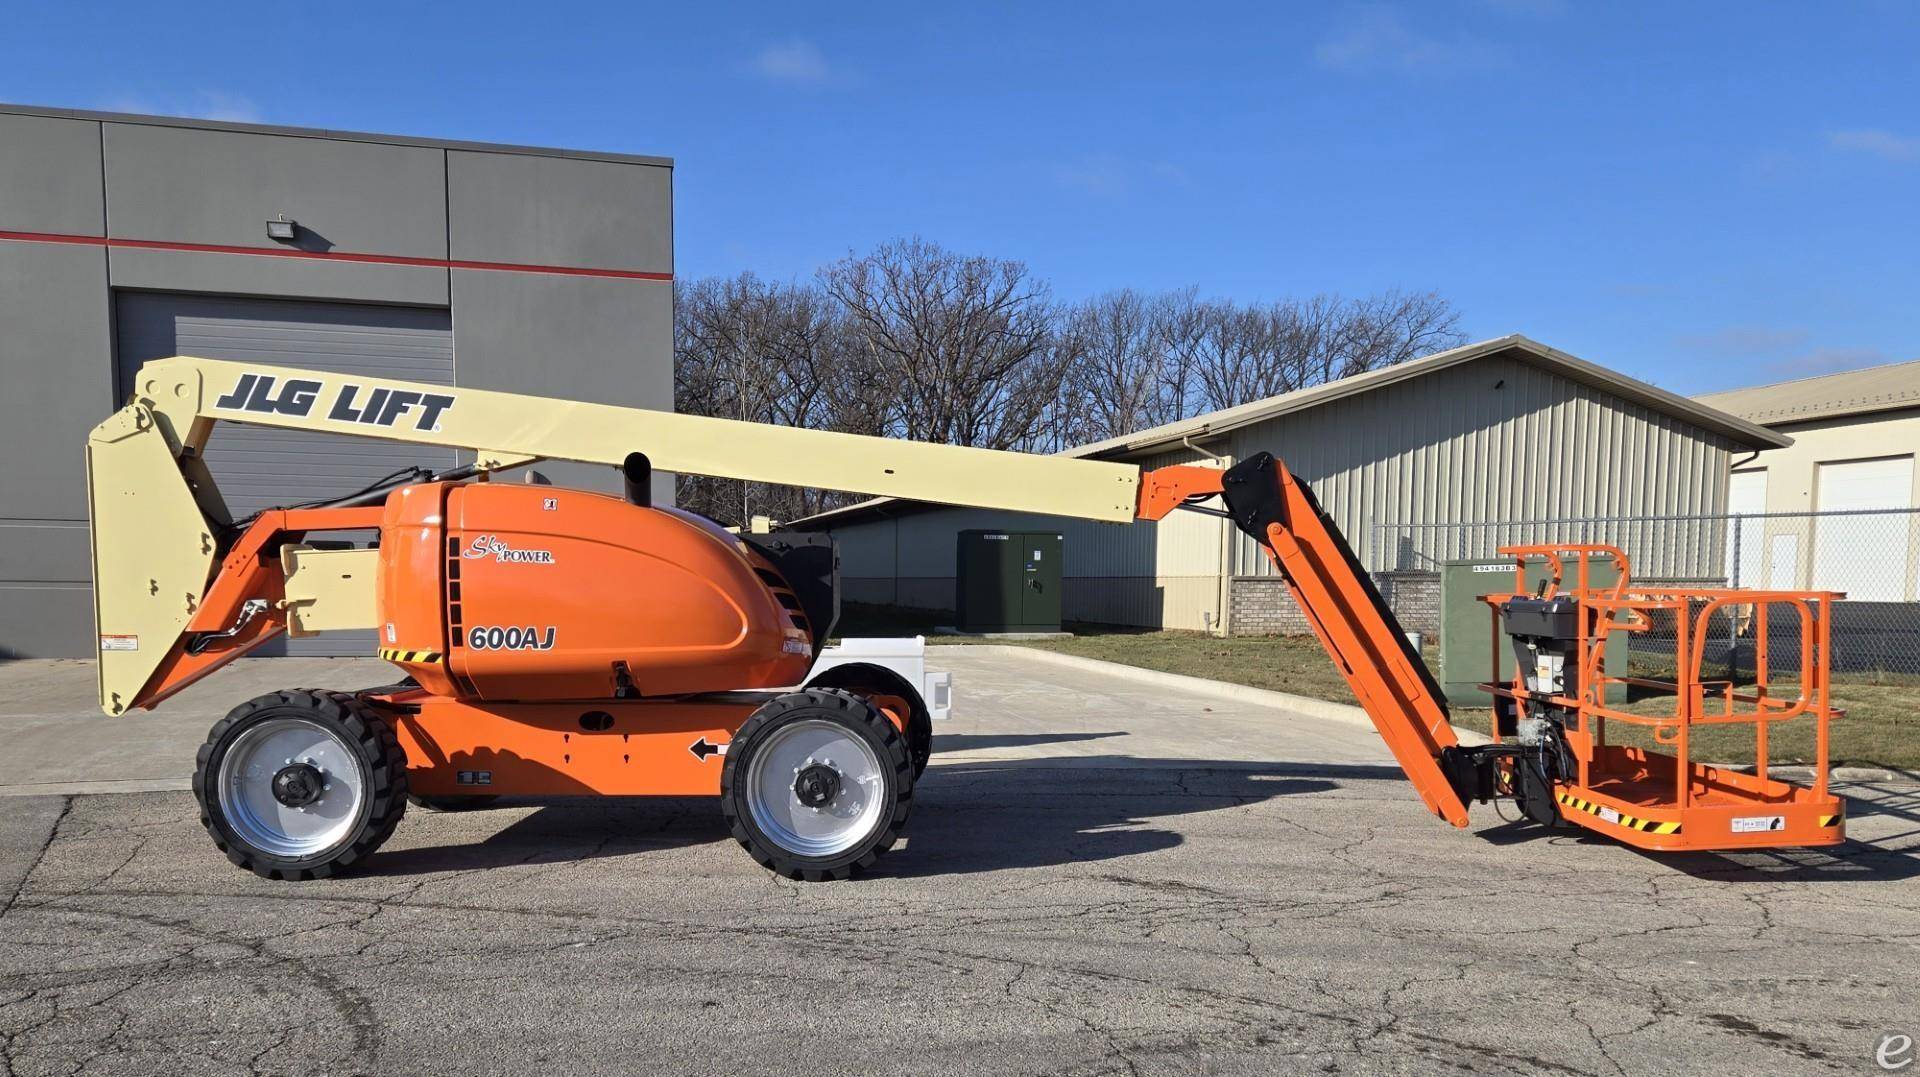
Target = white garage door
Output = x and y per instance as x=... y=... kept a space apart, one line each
x=1746 y=543
x=259 y=467
x=1865 y=556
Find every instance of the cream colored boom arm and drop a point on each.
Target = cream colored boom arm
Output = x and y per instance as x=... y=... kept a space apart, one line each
x=187 y=394
x=155 y=509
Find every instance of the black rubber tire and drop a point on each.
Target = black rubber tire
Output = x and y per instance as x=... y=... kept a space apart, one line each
x=458 y=803
x=866 y=680
x=861 y=718
x=920 y=743
x=361 y=727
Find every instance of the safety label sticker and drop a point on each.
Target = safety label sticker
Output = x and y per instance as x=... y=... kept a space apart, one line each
x=119 y=643
x=1758 y=824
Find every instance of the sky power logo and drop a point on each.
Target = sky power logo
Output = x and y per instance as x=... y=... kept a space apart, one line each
x=484 y=546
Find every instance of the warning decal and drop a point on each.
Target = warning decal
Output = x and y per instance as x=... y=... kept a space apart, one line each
x=1615 y=816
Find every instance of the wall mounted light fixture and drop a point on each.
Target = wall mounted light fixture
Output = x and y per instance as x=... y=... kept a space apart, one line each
x=281 y=228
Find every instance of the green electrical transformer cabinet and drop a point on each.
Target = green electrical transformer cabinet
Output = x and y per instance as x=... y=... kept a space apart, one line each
x=1466 y=626
x=1007 y=581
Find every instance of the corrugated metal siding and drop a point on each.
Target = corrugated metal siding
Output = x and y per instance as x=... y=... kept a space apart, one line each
x=259 y=467
x=867 y=551
x=1157 y=574
x=1493 y=439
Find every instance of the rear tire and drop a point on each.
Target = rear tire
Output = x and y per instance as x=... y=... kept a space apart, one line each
x=817 y=784
x=300 y=784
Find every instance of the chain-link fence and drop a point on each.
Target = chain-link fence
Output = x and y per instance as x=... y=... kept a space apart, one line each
x=1872 y=556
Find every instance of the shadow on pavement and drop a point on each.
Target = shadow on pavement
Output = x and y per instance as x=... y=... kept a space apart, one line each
x=1891 y=857
x=1850 y=861
x=991 y=815
x=960 y=742
x=560 y=830
x=968 y=817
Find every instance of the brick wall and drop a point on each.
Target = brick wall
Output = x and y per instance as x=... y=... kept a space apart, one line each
x=1414 y=597
x=1262 y=605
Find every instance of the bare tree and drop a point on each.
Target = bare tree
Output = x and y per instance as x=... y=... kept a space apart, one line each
x=1115 y=380
x=958 y=344
x=1180 y=328
x=1222 y=354
x=1238 y=360
x=913 y=340
x=759 y=352
x=1390 y=328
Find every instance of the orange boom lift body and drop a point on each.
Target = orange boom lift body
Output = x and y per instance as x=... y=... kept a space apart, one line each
x=567 y=642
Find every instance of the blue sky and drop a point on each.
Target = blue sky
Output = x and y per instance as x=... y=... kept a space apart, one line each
x=1702 y=195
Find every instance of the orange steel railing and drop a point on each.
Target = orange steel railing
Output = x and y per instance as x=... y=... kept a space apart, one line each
x=1622 y=608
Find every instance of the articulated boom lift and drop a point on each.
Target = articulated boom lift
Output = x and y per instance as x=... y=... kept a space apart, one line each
x=560 y=642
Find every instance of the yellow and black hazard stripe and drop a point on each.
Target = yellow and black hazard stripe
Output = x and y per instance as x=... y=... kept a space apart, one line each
x=394 y=655
x=1651 y=826
x=1830 y=820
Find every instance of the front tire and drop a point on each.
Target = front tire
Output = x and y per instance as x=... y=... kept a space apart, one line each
x=817 y=784
x=300 y=785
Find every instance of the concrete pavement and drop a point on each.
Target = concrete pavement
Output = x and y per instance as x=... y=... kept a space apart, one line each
x=1097 y=881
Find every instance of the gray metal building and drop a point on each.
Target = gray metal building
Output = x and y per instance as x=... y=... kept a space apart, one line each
x=1504 y=429
x=126 y=238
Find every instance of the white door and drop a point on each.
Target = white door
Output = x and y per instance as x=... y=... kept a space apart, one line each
x=1865 y=556
x=1746 y=536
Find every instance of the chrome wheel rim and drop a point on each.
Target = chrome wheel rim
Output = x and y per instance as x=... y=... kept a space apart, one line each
x=247 y=799
x=858 y=788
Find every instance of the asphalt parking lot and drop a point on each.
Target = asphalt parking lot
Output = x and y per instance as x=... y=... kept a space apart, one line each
x=1099 y=878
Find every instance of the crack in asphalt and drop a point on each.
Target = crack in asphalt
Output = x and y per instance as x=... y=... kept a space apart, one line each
x=53 y=833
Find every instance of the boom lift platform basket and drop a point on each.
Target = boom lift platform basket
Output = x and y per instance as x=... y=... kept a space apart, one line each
x=1551 y=723
x=569 y=642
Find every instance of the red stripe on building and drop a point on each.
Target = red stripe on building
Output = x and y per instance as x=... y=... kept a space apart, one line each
x=329 y=256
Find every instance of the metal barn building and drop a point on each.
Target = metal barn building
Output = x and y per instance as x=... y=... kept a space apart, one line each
x=126 y=238
x=1505 y=429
